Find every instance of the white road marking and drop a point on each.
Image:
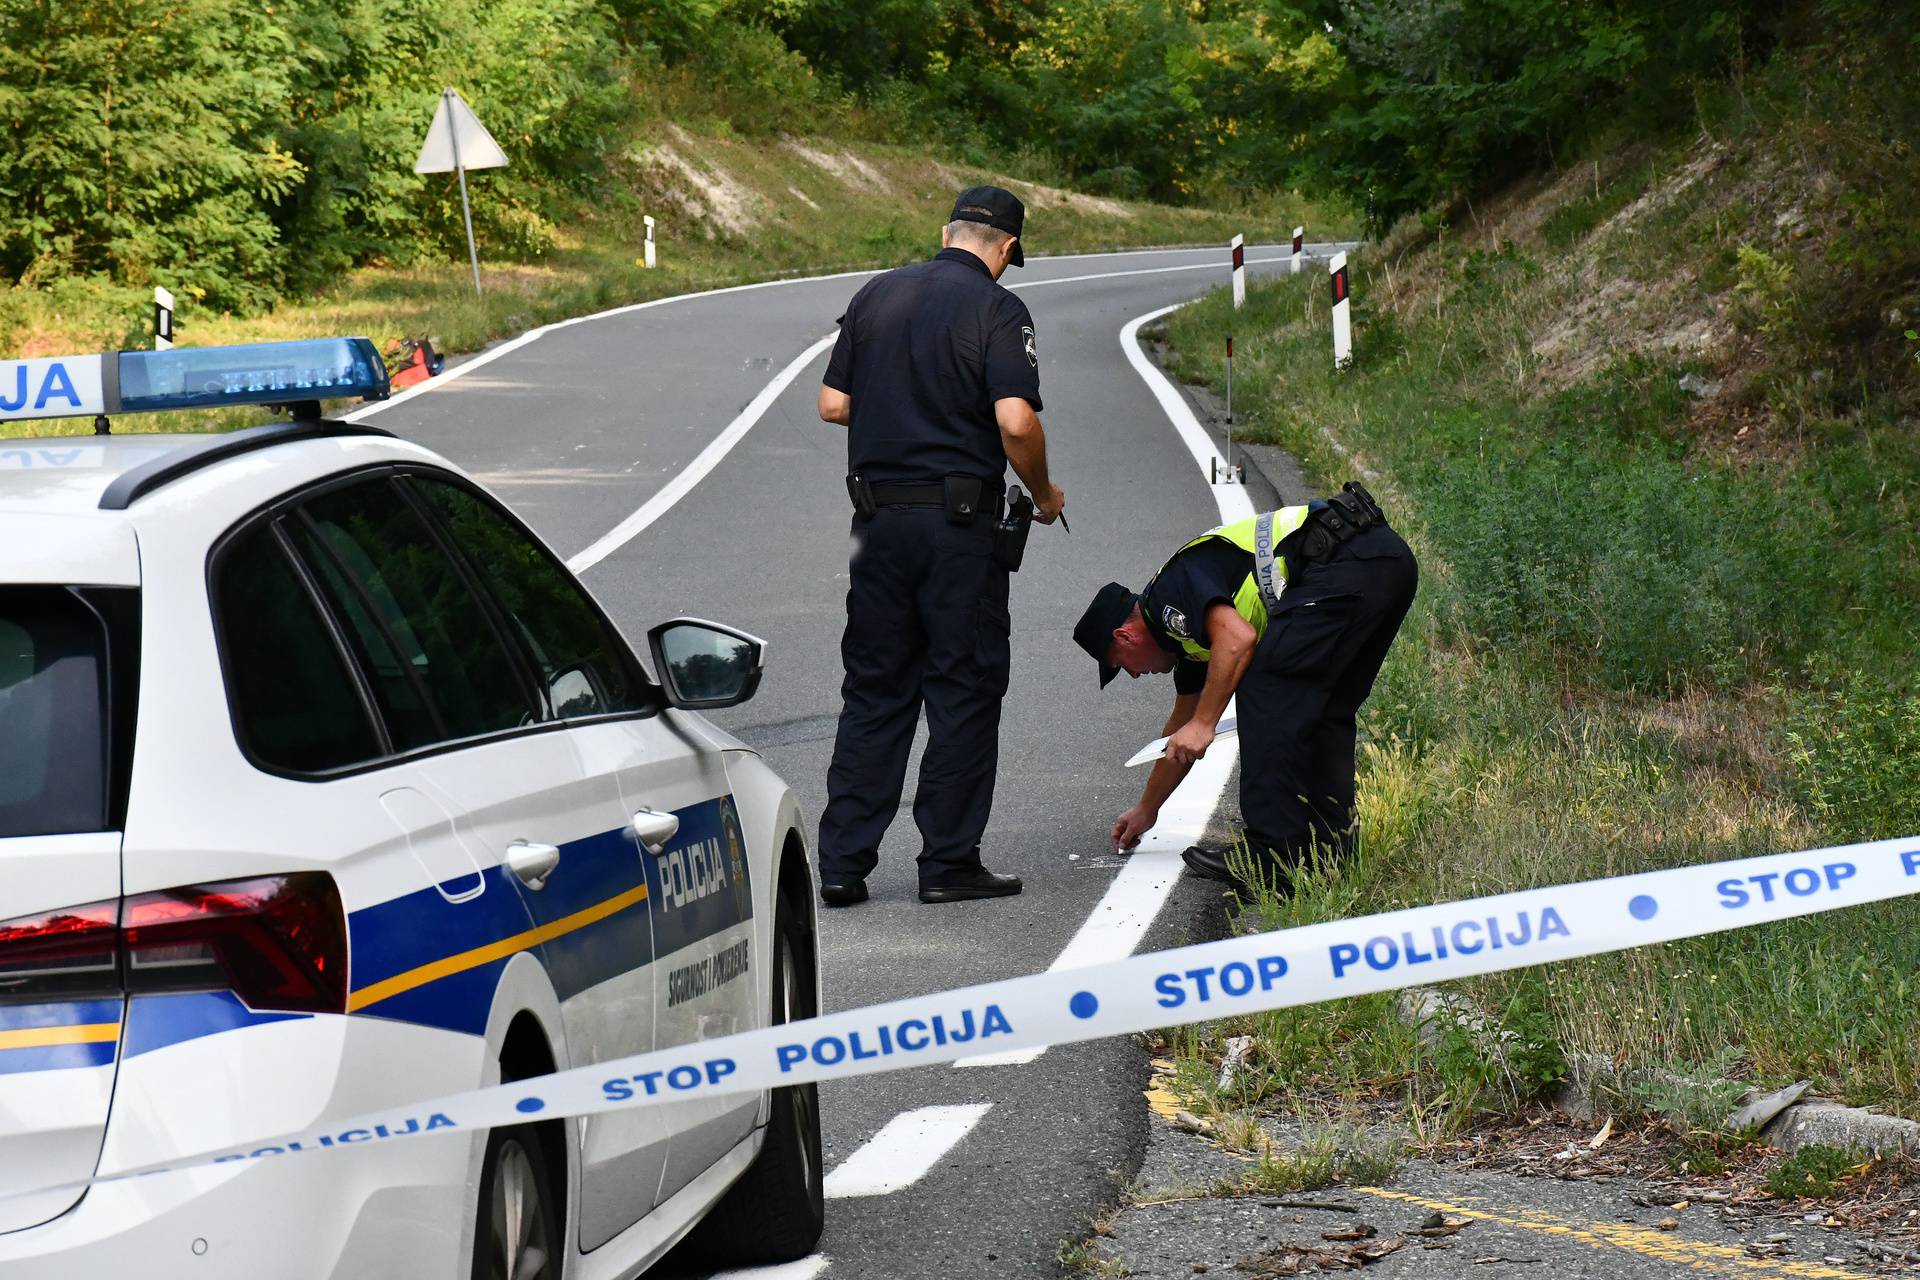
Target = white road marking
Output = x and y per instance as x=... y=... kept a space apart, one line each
x=1231 y=498
x=804 y=1269
x=664 y=500
x=513 y=344
x=690 y=475
x=1143 y=271
x=904 y=1151
x=1135 y=897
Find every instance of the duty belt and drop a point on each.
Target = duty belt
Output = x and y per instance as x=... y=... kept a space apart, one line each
x=934 y=493
x=1346 y=514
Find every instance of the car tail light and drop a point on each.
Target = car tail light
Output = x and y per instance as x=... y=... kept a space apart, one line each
x=277 y=942
x=69 y=954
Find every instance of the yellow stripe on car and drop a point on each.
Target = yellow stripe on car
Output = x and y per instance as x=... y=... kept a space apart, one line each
x=46 y=1037
x=447 y=966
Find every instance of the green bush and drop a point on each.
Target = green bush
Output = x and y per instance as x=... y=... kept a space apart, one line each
x=1816 y=1171
x=1588 y=527
x=1855 y=744
x=237 y=151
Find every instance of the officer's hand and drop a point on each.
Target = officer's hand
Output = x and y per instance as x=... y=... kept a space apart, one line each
x=1189 y=742
x=1048 y=511
x=1131 y=825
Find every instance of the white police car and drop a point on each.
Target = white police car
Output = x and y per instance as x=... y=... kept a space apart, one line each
x=324 y=788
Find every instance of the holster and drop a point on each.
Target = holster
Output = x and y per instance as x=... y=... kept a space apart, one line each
x=861 y=492
x=1347 y=514
x=1011 y=530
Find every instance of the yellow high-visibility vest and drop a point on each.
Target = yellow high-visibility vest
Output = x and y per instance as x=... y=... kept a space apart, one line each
x=1260 y=536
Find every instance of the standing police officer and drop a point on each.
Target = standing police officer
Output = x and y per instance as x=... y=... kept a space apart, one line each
x=1293 y=611
x=937 y=378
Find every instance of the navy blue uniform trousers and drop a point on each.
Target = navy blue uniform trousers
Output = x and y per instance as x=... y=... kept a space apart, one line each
x=927 y=625
x=1313 y=668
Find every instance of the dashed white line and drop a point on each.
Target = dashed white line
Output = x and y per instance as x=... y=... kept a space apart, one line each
x=709 y=458
x=513 y=344
x=694 y=472
x=804 y=1269
x=1143 y=271
x=904 y=1151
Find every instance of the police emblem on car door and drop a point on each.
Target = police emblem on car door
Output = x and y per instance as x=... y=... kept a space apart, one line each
x=705 y=981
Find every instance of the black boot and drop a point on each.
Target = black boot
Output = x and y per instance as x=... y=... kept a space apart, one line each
x=843 y=893
x=978 y=884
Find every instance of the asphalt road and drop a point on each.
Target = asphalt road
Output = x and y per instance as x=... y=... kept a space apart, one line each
x=673 y=450
x=580 y=427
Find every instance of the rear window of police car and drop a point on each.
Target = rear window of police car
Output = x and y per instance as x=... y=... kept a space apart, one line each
x=54 y=726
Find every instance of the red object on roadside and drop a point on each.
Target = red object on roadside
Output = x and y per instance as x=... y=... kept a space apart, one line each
x=419 y=362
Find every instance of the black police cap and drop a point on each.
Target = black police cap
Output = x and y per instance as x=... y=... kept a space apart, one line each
x=1094 y=631
x=998 y=208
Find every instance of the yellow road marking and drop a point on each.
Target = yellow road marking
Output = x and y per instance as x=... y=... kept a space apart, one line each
x=44 y=1037
x=1698 y=1255
x=1162 y=1100
x=446 y=966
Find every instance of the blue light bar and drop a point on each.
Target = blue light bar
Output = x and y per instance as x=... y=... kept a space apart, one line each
x=257 y=373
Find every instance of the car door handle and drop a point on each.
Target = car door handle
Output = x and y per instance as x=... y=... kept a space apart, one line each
x=533 y=863
x=655 y=829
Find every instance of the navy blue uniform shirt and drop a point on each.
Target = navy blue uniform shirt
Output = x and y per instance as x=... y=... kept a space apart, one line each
x=1175 y=603
x=925 y=351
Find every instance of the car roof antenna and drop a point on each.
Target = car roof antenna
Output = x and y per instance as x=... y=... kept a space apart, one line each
x=101 y=427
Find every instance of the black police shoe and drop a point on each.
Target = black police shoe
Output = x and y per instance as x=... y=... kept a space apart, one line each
x=978 y=884
x=843 y=893
x=1210 y=861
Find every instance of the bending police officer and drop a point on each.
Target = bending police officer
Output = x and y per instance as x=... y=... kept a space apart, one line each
x=1292 y=611
x=936 y=375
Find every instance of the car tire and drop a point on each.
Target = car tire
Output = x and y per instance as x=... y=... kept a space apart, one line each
x=775 y=1212
x=516 y=1232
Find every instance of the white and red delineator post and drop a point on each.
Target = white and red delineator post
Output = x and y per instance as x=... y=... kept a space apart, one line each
x=1342 y=324
x=1239 y=247
x=649 y=259
x=1299 y=244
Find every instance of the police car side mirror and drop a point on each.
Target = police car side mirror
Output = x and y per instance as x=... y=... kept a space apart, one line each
x=703 y=665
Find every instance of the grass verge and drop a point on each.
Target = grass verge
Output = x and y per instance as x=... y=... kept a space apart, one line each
x=1634 y=647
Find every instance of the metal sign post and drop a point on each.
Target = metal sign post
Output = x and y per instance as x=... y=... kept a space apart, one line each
x=162 y=319
x=1232 y=473
x=456 y=142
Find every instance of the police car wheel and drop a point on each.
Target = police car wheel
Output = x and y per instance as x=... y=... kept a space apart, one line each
x=776 y=1211
x=515 y=1234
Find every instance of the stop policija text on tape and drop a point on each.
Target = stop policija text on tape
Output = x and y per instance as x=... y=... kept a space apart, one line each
x=1159 y=989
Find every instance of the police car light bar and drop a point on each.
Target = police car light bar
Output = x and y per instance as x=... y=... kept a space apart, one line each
x=191 y=378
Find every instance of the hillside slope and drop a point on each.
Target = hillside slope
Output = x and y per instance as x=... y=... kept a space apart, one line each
x=729 y=210
x=1650 y=423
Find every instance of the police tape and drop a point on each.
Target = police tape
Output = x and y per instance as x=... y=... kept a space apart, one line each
x=1240 y=975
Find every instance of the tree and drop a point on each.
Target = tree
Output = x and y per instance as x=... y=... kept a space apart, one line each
x=138 y=138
